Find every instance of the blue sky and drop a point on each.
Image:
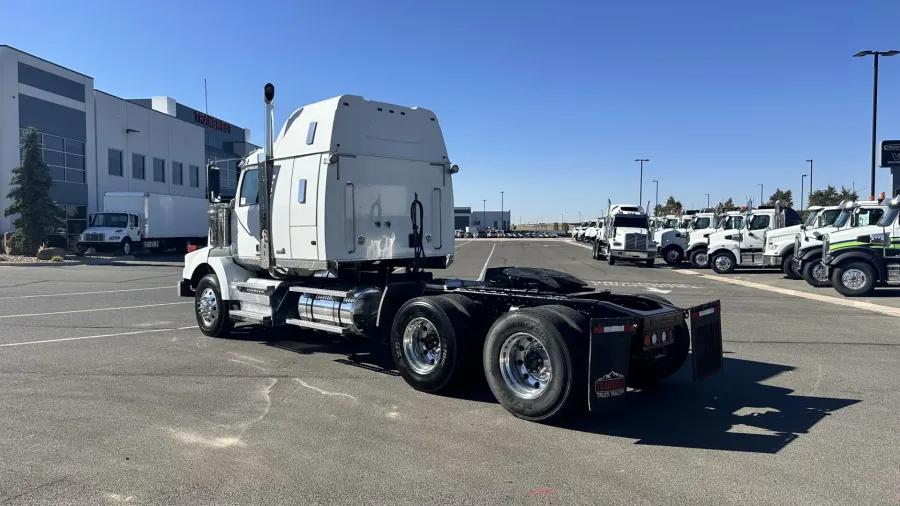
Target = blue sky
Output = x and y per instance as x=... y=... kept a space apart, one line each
x=548 y=101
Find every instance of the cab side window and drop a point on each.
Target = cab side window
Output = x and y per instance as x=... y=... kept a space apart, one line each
x=132 y=221
x=759 y=222
x=249 y=188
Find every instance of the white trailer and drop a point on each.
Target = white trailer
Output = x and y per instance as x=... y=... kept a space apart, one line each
x=137 y=220
x=339 y=229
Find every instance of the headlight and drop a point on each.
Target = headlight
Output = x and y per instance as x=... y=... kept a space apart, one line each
x=114 y=238
x=616 y=243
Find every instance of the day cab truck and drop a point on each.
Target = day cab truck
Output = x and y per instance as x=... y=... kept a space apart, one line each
x=701 y=230
x=625 y=236
x=342 y=225
x=594 y=230
x=859 y=259
x=671 y=240
x=730 y=249
x=808 y=245
x=133 y=221
x=779 y=249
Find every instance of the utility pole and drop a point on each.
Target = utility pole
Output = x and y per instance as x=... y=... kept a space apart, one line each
x=707 y=201
x=760 y=194
x=641 y=191
x=810 y=177
x=502 y=222
x=876 y=54
x=655 y=207
x=802 y=179
x=484 y=214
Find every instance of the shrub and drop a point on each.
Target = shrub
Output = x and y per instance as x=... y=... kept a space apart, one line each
x=57 y=258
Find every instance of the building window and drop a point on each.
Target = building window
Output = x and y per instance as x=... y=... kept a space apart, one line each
x=159 y=170
x=228 y=174
x=114 y=157
x=177 y=174
x=137 y=166
x=195 y=176
x=64 y=157
x=76 y=222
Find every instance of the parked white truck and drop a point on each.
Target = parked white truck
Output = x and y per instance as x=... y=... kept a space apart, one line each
x=807 y=248
x=671 y=241
x=744 y=247
x=699 y=233
x=779 y=249
x=625 y=236
x=135 y=220
x=339 y=229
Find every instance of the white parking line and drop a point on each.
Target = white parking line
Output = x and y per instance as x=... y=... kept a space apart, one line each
x=486 y=262
x=95 y=337
x=868 y=306
x=588 y=246
x=87 y=293
x=93 y=310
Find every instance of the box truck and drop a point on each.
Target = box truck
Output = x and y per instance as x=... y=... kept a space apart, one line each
x=136 y=220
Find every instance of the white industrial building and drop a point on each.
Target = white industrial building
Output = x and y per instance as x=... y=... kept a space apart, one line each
x=94 y=142
x=466 y=217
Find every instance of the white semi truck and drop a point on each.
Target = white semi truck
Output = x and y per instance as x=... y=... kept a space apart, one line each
x=859 y=259
x=625 y=236
x=699 y=233
x=671 y=241
x=730 y=249
x=136 y=220
x=807 y=247
x=339 y=228
x=779 y=249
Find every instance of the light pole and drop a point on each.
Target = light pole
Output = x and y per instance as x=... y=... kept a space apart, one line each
x=802 y=180
x=810 y=177
x=484 y=214
x=876 y=54
x=760 y=194
x=707 y=201
x=579 y=217
x=641 y=192
x=656 y=206
x=502 y=223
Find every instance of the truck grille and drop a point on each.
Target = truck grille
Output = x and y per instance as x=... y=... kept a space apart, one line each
x=93 y=237
x=636 y=242
x=797 y=246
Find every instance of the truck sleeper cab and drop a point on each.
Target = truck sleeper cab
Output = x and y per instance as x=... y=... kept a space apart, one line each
x=544 y=340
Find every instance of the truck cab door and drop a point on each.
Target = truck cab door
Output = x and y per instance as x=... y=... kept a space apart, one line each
x=752 y=239
x=246 y=213
x=134 y=228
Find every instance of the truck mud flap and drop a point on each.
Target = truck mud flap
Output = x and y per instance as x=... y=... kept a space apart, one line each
x=608 y=358
x=706 y=339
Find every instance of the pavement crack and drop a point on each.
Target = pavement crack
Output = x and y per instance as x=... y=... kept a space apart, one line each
x=323 y=392
x=47 y=484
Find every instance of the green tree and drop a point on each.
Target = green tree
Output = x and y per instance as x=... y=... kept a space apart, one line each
x=672 y=206
x=555 y=225
x=783 y=196
x=35 y=213
x=828 y=196
x=848 y=194
x=722 y=206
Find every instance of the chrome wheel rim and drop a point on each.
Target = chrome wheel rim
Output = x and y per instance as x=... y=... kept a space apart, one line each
x=723 y=262
x=422 y=345
x=701 y=258
x=126 y=248
x=208 y=307
x=818 y=272
x=853 y=279
x=525 y=365
x=672 y=256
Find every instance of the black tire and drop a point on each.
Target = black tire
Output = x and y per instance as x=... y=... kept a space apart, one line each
x=450 y=320
x=814 y=273
x=789 y=267
x=646 y=374
x=699 y=259
x=868 y=285
x=673 y=255
x=80 y=250
x=125 y=248
x=722 y=263
x=219 y=325
x=610 y=259
x=566 y=349
x=649 y=263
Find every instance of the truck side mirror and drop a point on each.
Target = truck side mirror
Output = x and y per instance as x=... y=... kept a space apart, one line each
x=212 y=182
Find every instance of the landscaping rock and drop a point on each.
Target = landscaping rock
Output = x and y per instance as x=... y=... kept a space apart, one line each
x=48 y=253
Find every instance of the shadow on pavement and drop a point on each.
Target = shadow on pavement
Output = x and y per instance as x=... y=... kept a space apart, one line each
x=731 y=411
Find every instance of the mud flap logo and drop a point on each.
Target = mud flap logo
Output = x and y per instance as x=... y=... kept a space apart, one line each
x=610 y=385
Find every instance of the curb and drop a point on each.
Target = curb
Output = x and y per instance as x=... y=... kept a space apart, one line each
x=97 y=261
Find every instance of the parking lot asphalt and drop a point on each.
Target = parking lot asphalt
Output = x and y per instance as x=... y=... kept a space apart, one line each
x=112 y=396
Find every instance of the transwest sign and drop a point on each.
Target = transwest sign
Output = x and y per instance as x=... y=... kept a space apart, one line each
x=890 y=153
x=207 y=120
